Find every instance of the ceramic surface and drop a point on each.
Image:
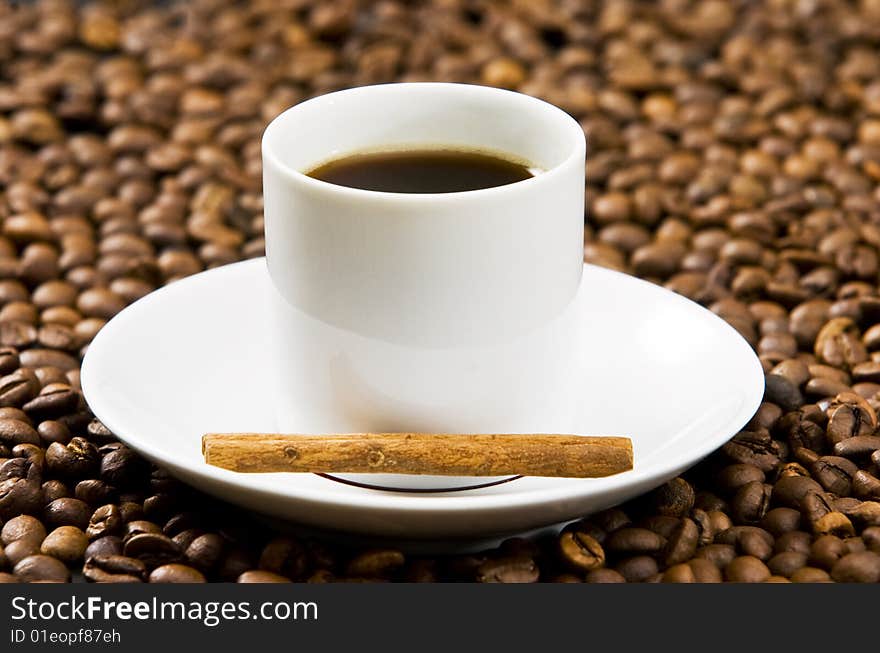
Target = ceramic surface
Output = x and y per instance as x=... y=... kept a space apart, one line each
x=193 y=357
x=435 y=312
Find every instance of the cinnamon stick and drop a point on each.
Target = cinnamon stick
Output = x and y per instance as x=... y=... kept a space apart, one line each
x=442 y=454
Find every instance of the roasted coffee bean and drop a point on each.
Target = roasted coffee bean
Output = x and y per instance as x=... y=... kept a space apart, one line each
x=181 y=522
x=66 y=543
x=611 y=520
x=260 y=576
x=674 y=498
x=802 y=432
x=53 y=431
x=122 y=467
x=734 y=476
x=31 y=454
x=98 y=432
x=865 y=485
x=816 y=505
x=781 y=391
x=865 y=514
x=41 y=568
x=850 y=506
x=19 y=387
x=130 y=511
x=604 y=575
x=819 y=387
x=49 y=376
x=810 y=575
x=861 y=567
x=138 y=526
x=849 y=416
x=838 y=343
x=67 y=512
x=205 y=551
x=235 y=562
x=746 y=569
x=834 y=474
x=871 y=538
x=23 y=527
x=54 y=490
x=790 y=491
x=54 y=400
x=787 y=563
x=16 y=468
x=376 y=563
x=58 y=336
x=858 y=446
x=710 y=502
x=35 y=358
x=637 y=569
x=767 y=417
x=704 y=571
x=106 y=520
x=176 y=573
x=682 y=543
x=94 y=492
x=704 y=525
x=680 y=573
x=114 y=568
x=753 y=448
x=589 y=527
x=104 y=546
x=162 y=482
x=18 y=414
x=834 y=523
x=817 y=370
x=634 y=540
x=781 y=520
x=749 y=540
x=77 y=458
x=805 y=457
x=718 y=554
x=720 y=521
x=9 y=360
x=854 y=545
x=285 y=556
x=17 y=321
x=794 y=370
x=153 y=549
x=184 y=538
x=663 y=525
x=19 y=550
x=750 y=503
x=519 y=569
x=580 y=551
x=798 y=541
x=21 y=496
x=14 y=432
x=826 y=551
x=158 y=506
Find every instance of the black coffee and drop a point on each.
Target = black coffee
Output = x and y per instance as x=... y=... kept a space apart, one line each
x=422 y=171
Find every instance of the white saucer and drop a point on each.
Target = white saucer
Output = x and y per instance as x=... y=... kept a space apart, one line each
x=192 y=357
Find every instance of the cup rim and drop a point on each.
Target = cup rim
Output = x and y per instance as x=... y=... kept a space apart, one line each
x=578 y=150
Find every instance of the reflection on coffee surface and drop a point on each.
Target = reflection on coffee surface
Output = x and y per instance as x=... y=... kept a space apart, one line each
x=423 y=171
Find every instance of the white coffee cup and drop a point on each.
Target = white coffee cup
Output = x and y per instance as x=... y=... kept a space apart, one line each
x=430 y=312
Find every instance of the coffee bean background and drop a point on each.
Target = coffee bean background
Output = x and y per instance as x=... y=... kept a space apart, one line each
x=734 y=156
